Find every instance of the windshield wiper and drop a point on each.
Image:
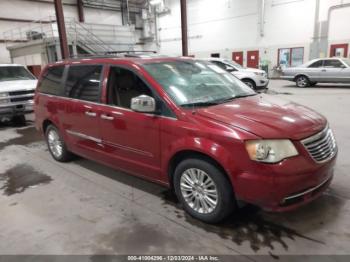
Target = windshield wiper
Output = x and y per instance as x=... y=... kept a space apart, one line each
x=225 y=100
x=200 y=104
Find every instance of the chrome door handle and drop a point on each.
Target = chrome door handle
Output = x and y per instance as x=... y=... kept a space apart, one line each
x=324 y=70
x=105 y=117
x=91 y=114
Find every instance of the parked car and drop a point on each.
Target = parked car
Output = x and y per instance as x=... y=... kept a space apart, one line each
x=252 y=77
x=17 y=87
x=323 y=70
x=188 y=125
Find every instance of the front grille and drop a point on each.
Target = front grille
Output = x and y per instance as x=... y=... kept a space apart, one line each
x=20 y=96
x=321 y=146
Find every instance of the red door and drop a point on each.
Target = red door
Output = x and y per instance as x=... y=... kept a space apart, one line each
x=237 y=57
x=253 y=59
x=340 y=50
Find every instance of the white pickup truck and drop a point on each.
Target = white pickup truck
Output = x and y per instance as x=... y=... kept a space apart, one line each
x=17 y=87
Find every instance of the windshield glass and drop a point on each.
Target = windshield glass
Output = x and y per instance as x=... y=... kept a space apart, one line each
x=11 y=73
x=347 y=61
x=233 y=63
x=197 y=83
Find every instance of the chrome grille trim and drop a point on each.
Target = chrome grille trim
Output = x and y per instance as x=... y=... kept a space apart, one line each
x=306 y=191
x=321 y=146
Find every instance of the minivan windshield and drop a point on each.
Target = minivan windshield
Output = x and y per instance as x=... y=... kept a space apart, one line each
x=197 y=83
x=12 y=73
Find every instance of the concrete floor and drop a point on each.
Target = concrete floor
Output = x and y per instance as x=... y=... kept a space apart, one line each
x=85 y=208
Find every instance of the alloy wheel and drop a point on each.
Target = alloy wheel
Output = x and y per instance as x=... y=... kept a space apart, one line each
x=302 y=81
x=55 y=143
x=199 y=190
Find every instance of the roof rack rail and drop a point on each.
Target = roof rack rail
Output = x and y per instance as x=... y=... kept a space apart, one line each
x=127 y=53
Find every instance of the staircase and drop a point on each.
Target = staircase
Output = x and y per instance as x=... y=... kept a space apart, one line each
x=86 y=38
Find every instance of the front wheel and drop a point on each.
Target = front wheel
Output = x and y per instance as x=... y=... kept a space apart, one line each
x=204 y=191
x=302 y=81
x=250 y=83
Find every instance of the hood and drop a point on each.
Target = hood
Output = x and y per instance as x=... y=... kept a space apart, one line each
x=17 y=85
x=267 y=117
x=251 y=70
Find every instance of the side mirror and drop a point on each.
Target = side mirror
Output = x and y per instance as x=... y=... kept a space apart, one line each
x=343 y=66
x=230 y=69
x=144 y=104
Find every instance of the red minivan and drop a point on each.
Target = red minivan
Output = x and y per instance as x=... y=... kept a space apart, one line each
x=188 y=125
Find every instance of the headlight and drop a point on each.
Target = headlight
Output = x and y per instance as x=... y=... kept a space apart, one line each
x=270 y=151
x=4 y=98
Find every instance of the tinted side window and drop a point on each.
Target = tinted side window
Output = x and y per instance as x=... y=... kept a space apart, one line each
x=317 y=64
x=83 y=82
x=123 y=85
x=332 y=63
x=52 y=81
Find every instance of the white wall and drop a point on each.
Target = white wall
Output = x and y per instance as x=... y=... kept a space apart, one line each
x=225 y=26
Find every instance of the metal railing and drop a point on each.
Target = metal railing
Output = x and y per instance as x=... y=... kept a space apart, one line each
x=94 y=38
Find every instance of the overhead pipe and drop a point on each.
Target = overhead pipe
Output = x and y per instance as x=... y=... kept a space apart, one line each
x=61 y=29
x=183 y=5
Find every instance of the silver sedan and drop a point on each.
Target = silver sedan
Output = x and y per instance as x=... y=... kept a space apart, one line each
x=323 y=70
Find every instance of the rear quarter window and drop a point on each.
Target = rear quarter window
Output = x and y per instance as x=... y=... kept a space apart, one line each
x=84 y=82
x=51 y=82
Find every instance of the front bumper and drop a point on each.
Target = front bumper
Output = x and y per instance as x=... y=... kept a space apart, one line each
x=285 y=186
x=262 y=82
x=15 y=109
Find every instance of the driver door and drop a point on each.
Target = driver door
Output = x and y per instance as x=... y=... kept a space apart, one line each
x=131 y=139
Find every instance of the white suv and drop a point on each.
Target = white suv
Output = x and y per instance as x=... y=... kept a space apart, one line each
x=254 y=78
x=17 y=87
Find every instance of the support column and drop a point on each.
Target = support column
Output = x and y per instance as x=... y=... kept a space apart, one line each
x=61 y=29
x=183 y=4
x=80 y=7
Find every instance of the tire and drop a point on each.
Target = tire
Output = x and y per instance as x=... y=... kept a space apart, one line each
x=217 y=182
x=19 y=120
x=313 y=83
x=56 y=145
x=250 y=83
x=302 y=81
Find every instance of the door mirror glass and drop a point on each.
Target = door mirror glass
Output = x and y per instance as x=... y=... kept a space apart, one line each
x=342 y=66
x=144 y=104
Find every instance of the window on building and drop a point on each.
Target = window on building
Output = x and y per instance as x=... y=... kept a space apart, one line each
x=290 y=57
x=83 y=82
x=217 y=55
x=52 y=81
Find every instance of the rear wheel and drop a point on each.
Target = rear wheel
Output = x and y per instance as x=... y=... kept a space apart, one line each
x=56 y=145
x=203 y=190
x=250 y=83
x=302 y=81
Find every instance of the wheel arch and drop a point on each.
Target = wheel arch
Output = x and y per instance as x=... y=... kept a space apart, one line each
x=45 y=124
x=190 y=153
x=300 y=74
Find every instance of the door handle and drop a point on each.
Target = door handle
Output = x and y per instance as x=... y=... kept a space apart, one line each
x=324 y=70
x=91 y=114
x=105 y=117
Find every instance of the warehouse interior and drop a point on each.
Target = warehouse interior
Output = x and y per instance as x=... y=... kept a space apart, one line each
x=55 y=211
